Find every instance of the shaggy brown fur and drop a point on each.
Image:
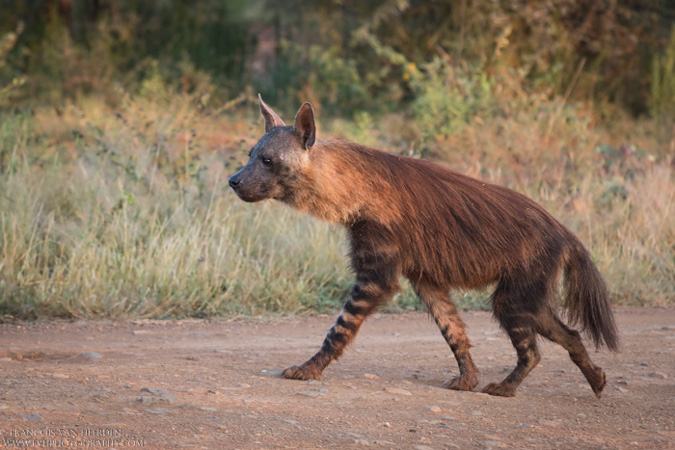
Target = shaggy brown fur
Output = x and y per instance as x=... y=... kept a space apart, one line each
x=441 y=230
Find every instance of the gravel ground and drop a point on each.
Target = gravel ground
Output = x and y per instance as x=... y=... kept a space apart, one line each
x=216 y=385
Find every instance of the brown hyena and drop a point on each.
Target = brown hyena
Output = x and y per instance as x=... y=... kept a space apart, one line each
x=441 y=230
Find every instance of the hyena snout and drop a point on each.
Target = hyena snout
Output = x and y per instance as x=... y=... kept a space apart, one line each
x=249 y=186
x=235 y=181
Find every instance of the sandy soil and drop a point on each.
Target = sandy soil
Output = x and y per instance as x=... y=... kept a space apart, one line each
x=216 y=385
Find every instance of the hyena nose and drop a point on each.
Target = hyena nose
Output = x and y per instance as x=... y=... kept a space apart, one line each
x=234 y=182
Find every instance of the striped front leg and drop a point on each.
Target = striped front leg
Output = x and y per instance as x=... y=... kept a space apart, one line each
x=364 y=298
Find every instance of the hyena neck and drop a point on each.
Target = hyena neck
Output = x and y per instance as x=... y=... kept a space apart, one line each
x=336 y=184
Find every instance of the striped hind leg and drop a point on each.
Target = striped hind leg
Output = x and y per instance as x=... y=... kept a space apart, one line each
x=523 y=339
x=552 y=328
x=516 y=305
x=451 y=325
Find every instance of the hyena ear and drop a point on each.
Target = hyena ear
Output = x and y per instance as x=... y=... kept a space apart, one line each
x=271 y=118
x=305 y=126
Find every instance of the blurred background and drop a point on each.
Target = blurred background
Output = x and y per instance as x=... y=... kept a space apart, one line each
x=121 y=120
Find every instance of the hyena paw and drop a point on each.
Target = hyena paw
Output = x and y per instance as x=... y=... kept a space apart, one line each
x=500 y=389
x=464 y=382
x=598 y=382
x=302 y=372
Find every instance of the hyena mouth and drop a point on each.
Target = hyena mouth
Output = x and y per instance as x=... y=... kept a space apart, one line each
x=245 y=197
x=252 y=197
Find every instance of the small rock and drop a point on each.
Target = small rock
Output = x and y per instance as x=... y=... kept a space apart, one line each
x=644 y=364
x=423 y=447
x=553 y=423
x=35 y=417
x=208 y=409
x=622 y=382
x=475 y=413
x=371 y=376
x=398 y=391
x=620 y=389
x=493 y=444
x=159 y=394
x=434 y=409
x=386 y=425
x=362 y=442
x=430 y=422
x=87 y=356
x=158 y=411
x=140 y=332
x=292 y=422
x=387 y=443
x=309 y=394
x=659 y=375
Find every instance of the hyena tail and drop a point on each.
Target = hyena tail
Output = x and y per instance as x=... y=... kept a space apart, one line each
x=587 y=299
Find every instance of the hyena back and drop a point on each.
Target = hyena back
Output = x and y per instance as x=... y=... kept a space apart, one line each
x=441 y=230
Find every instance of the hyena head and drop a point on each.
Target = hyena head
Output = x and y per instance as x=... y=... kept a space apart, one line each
x=278 y=162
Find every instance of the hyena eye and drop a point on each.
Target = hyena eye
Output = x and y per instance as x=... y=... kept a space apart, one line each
x=267 y=161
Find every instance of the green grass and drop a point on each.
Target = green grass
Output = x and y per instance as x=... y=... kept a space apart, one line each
x=127 y=213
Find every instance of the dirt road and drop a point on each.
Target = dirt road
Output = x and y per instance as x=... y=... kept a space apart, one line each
x=216 y=385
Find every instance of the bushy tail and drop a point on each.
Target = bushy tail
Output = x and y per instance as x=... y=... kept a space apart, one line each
x=586 y=299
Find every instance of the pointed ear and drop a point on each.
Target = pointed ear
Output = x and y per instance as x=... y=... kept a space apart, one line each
x=304 y=125
x=271 y=118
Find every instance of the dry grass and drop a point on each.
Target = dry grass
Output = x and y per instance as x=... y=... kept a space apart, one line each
x=127 y=212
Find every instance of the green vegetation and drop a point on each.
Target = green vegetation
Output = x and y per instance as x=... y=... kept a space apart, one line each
x=116 y=140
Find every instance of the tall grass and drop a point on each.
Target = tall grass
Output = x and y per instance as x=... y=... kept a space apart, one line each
x=94 y=220
x=126 y=212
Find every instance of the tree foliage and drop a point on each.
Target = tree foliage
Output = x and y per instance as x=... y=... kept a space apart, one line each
x=342 y=55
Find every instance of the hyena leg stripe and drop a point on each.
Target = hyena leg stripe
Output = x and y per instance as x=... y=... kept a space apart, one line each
x=345 y=328
x=551 y=327
x=451 y=325
x=362 y=302
x=452 y=328
x=523 y=339
x=338 y=337
x=528 y=355
x=376 y=282
x=357 y=310
x=351 y=325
